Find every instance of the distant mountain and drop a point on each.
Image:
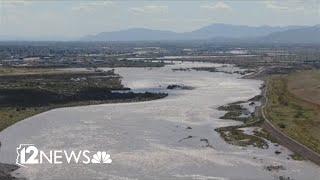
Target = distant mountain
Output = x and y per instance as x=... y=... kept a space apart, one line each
x=215 y=33
x=136 y=34
x=237 y=31
x=301 y=35
x=208 y=32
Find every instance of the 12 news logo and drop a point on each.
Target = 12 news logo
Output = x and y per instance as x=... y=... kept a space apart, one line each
x=29 y=154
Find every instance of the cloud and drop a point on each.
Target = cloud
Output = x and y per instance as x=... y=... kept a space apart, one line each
x=285 y=6
x=90 y=6
x=149 y=9
x=217 y=6
x=193 y=20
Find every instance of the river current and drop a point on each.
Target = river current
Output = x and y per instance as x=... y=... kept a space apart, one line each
x=158 y=139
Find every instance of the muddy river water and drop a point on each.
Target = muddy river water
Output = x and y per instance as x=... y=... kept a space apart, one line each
x=149 y=140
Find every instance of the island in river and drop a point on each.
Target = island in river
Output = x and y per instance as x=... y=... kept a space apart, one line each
x=169 y=138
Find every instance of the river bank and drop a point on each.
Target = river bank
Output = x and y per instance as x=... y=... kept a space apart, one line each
x=27 y=93
x=170 y=138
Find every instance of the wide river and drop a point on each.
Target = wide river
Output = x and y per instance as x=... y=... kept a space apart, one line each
x=146 y=139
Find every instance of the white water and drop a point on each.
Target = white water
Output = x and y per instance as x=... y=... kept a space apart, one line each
x=144 y=138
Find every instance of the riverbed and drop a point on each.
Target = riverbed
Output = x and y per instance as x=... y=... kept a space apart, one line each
x=160 y=139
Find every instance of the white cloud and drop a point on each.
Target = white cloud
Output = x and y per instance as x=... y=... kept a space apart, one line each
x=90 y=6
x=217 y=6
x=285 y=6
x=149 y=9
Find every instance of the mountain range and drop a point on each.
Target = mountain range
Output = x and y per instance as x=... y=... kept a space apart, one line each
x=300 y=35
x=220 y=32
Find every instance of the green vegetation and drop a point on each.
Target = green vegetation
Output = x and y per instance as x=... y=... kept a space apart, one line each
x=26 y=94
x=231 y=107
x=181 y=69
x=12 y=71
x=112 y=63
x=209 y=69
x=264 y=134
x=288 y=108
x=234 y=112
x=177 y=86
x=235 y=135
x=63 y=82
x=296 y=157
x=11 y=115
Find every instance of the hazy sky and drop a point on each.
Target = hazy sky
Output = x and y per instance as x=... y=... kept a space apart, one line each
x=73 y=18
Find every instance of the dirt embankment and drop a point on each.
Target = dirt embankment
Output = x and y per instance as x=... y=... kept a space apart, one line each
x=304 y=86
x=291 y=144
x=283 y=114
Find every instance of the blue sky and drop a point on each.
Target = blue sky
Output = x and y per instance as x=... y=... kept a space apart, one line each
x=72 y=18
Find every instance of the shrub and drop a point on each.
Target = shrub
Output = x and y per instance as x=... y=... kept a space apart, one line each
x=281 y=125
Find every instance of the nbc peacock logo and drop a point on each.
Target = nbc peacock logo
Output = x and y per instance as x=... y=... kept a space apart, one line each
x=101 y=157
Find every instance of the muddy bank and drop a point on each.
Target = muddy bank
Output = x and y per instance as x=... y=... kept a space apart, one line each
x=237 y=135
x=252 y=131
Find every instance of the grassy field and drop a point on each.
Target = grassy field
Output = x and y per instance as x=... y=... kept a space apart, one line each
x=308 y=88
x=16 y=71
x=11 y=115
x=293 y=106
